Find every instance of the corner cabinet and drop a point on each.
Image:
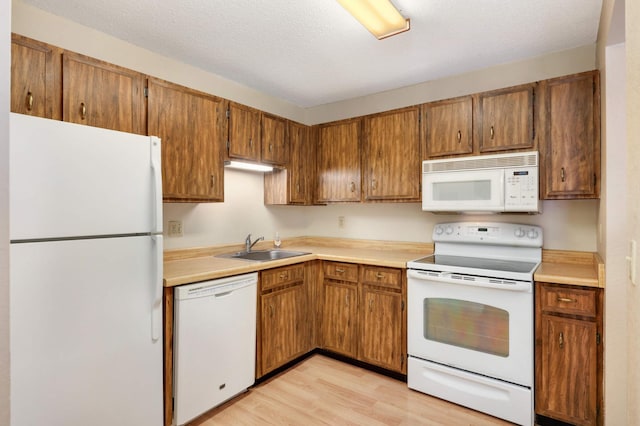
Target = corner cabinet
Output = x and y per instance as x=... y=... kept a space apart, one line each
x=36 y=81
x=293 y=184
x=338 y=161
x=191 y=126
x=391 y=155
x=96 y=93
x=570 y=140
x=243 y=141
x=569 y=354
x=284 y=323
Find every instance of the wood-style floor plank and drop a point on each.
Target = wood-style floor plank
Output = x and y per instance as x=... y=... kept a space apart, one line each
x=324 y=391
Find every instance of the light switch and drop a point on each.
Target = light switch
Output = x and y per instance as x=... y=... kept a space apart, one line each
x=632 y=261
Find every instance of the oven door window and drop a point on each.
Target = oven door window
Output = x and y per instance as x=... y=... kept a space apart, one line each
x=465 y=324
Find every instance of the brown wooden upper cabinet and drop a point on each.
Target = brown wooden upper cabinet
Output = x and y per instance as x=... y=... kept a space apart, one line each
x=338 y=161
x=505 y=119
x=391 y=155
x=570 y=139
x=244 y=132
x=192 y=126
x=487 y=122
x=448 y=127
x=100 y=94
x=293 y=185
x=275 y=140
x=36 y=84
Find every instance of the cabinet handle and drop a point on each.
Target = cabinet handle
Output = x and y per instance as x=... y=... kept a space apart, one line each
x=370 y=305
x=340 y=270
x=346 y=300
x=562 y=174
x=566 y=300
x=374 y=184
x=29 y=101
x=213 y=180
x=353 y=186
x=379 y=275
x=270 y=147
x=491 y=132
x=83 y=111
x=561 y=340
x=297 y=188
x=251 y=143
x=271 y=310
x=459 y=136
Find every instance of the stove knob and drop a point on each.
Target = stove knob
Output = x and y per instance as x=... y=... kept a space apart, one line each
x=533 y=234
x=449 y=230
x=439 y=230
x=519 y=233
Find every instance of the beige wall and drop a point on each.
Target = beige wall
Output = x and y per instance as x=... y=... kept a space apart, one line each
x=5 y=55
x=632 y=38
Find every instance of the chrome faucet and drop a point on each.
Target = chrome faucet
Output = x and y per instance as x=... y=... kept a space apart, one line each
x=248 y=244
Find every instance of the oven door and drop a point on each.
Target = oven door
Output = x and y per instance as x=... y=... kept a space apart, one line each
x=485 y=328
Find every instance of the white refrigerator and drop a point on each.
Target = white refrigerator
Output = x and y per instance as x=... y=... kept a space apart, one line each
x=85 y=276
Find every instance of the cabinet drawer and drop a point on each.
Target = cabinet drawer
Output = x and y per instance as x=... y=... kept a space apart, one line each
x=281 y=276
x=384 y=277
x=341 y=271
x=567 y=300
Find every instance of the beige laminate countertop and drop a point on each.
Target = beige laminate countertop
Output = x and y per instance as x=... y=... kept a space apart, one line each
x=201 y=264
x=206 y=266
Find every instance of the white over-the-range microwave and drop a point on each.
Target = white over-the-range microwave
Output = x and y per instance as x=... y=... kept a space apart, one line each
x=503 y=183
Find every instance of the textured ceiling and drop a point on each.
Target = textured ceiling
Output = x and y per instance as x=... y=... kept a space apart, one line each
x=312 y=52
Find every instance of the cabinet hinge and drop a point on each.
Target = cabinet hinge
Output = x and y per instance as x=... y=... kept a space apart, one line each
x=228 y=112
x=145 y=91
x=533 y=116
x=594 y=87
x=228 y=145
x=598 y=338
x=402 y=305
x=595 y=180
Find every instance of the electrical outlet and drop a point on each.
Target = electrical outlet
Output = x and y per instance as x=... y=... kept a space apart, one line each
x=340 y=221
x=175 y=228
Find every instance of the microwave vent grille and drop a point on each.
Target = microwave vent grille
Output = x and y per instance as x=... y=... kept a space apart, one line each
x=527 y=159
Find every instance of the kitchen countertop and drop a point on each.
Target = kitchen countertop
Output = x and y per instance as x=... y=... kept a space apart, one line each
x=200 y=264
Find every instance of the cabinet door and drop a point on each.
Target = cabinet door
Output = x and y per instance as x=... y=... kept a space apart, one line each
x=301 y=164
x=100 y=94
x=571 y=146
x=191 y=127
x=244 y=132
x=339 y=319
x=285 y=331
x=381 y=329
x=506 y=119
x=566 y=379
x=36 y=82
x=339 y=162
x=392 y=155
x=275 y=144
x=449 y=127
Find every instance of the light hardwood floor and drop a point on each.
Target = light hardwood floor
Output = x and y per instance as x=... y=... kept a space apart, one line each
x=324 y=391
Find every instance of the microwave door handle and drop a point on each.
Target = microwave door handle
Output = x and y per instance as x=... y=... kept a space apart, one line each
x=444 y=278
x=502 y=191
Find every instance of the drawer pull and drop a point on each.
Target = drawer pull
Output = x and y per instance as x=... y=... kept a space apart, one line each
x=340 y=270
x=284 y=276
x=566 y=300
x=561 y=340
x=379 y=275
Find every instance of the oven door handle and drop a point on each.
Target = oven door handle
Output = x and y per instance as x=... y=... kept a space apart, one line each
x=445 y=278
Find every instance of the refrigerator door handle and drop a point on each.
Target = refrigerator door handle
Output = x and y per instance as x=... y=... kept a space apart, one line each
x=156 y=307
x=156 y=170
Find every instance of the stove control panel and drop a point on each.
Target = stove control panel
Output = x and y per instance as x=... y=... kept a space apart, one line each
x=489 y=233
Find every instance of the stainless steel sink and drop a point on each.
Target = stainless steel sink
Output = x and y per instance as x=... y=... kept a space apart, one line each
x=262 y=255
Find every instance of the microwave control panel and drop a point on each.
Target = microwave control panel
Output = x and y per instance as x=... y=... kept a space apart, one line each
x=521 y=189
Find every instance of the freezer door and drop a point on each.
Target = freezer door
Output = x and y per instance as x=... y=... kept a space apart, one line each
x=83 y=349
x=69 y=180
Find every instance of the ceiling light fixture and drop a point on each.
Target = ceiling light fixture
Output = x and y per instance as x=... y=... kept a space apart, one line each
x=380 y=17
x=252 y=167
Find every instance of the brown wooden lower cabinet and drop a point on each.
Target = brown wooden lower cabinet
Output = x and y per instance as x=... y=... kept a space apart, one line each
x=284 y=326
x=568 y=353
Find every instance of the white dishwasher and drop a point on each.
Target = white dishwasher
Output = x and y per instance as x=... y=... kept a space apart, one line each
x=214 y=343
